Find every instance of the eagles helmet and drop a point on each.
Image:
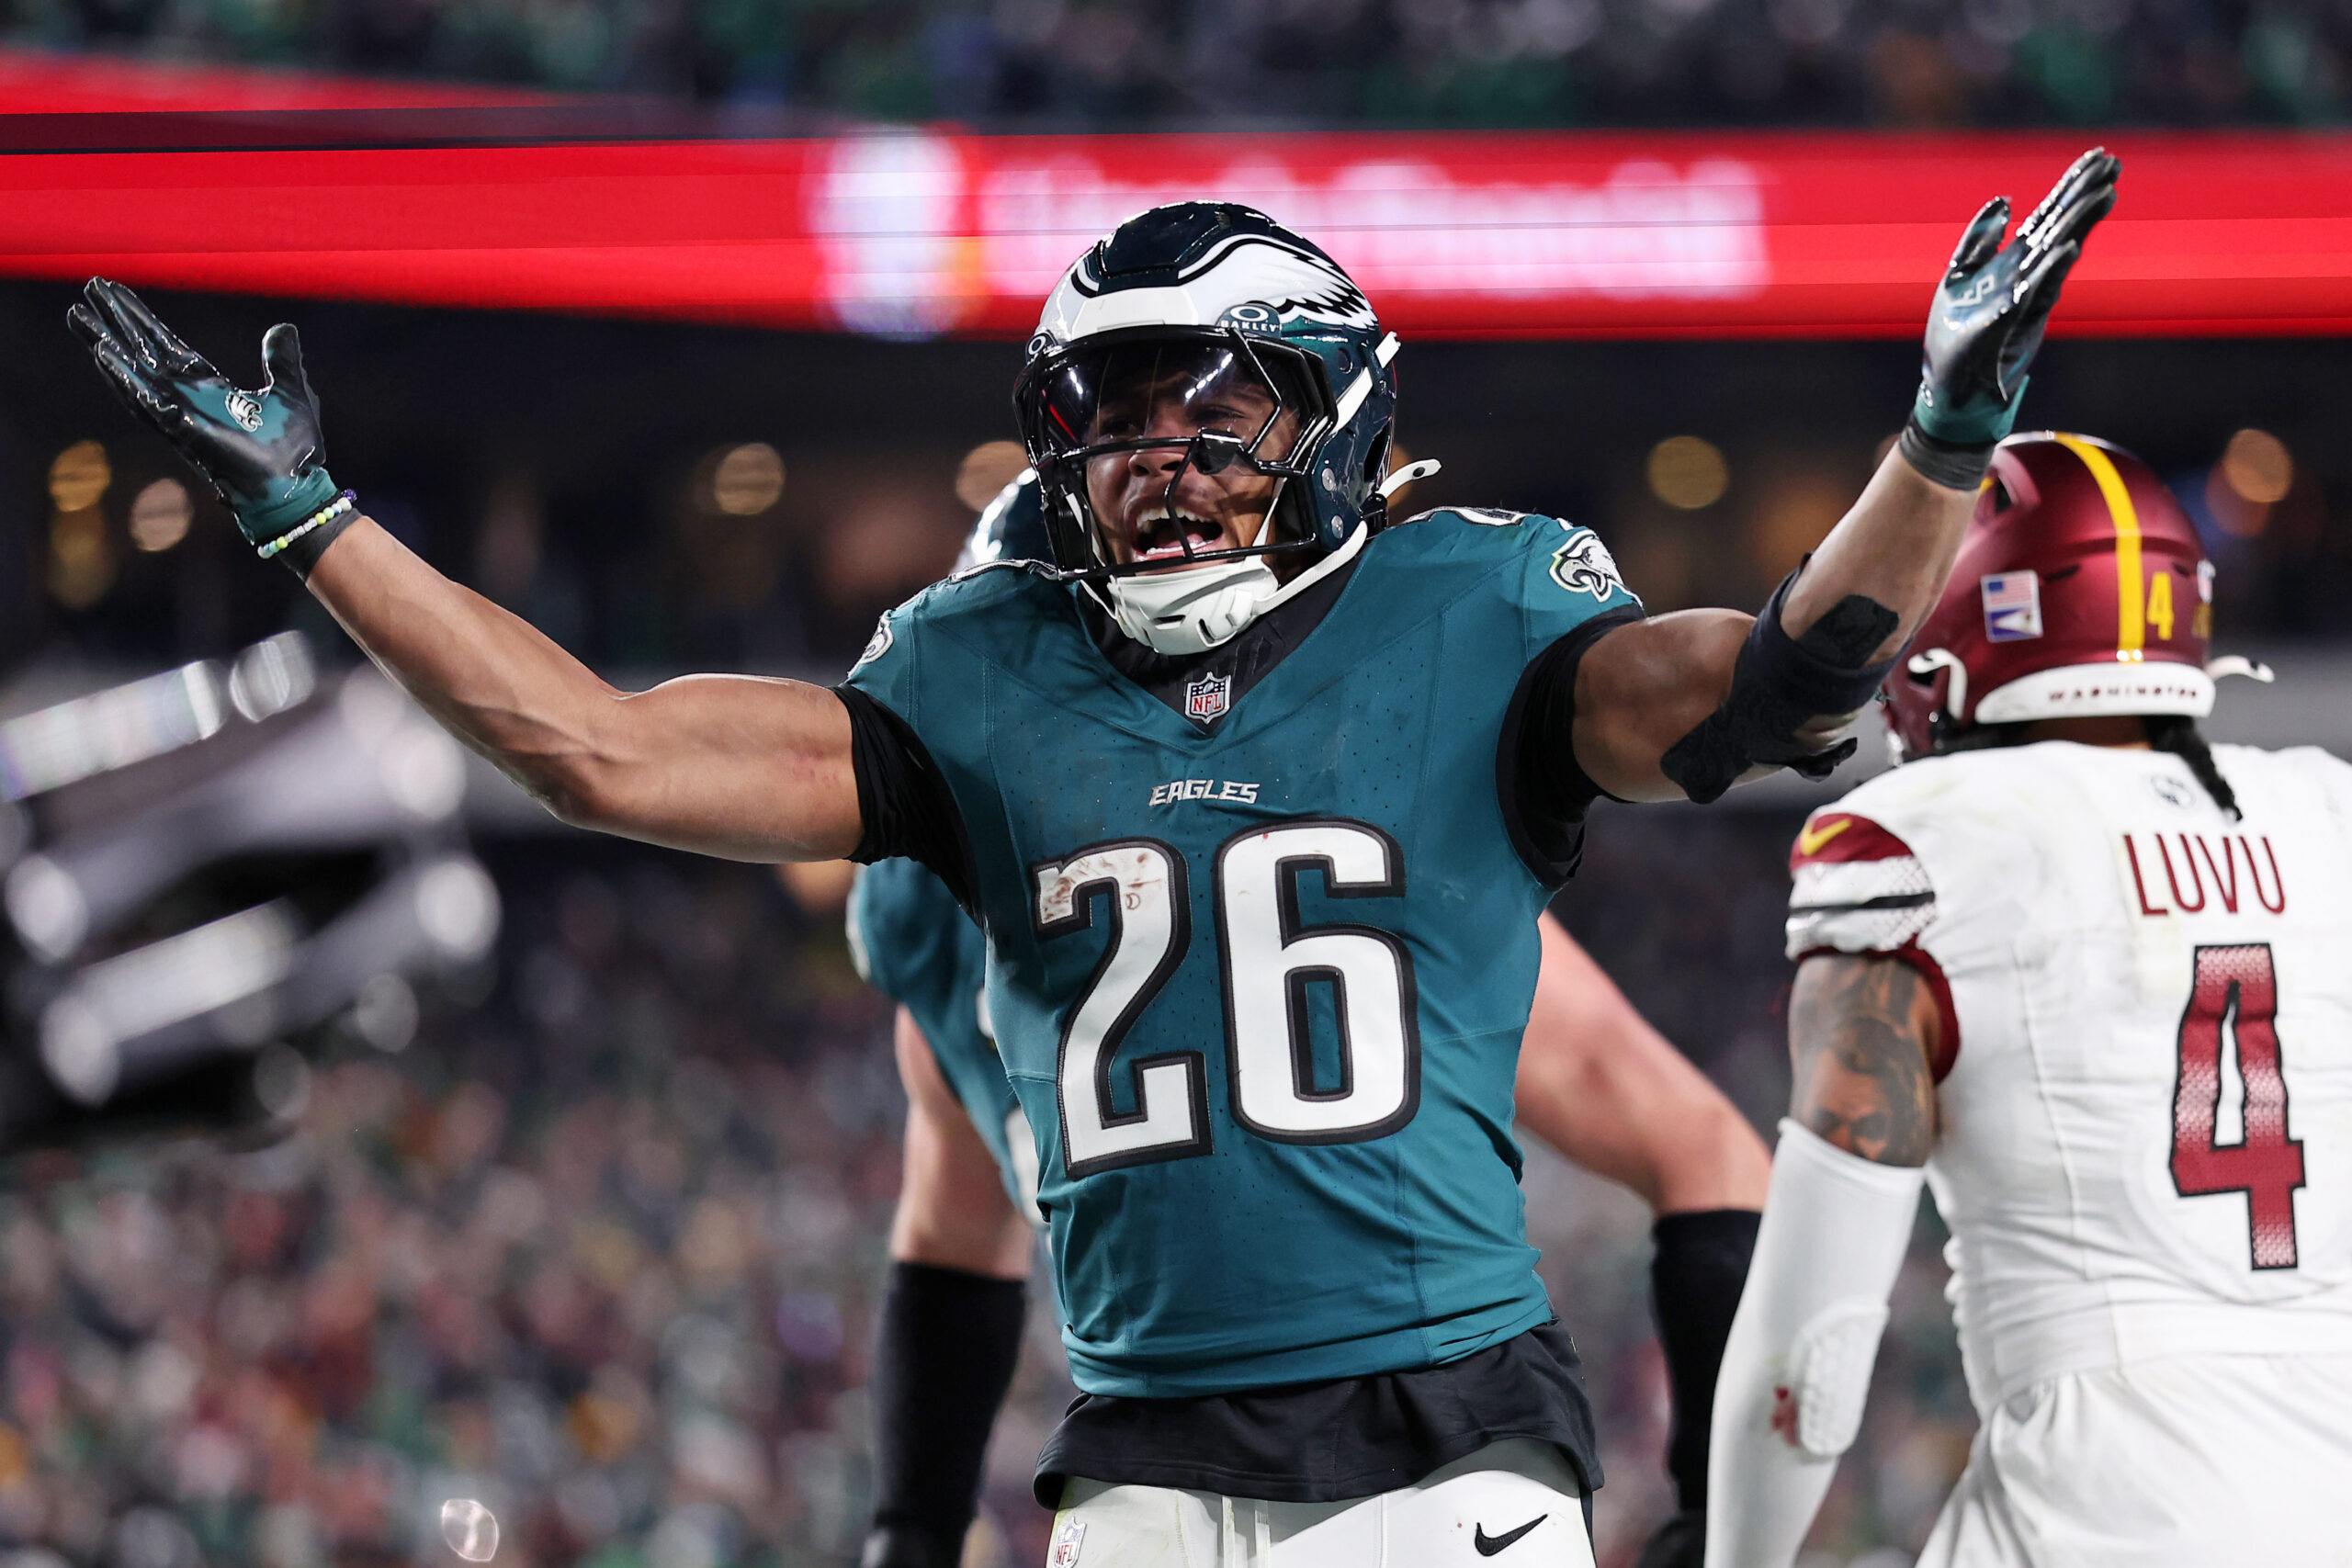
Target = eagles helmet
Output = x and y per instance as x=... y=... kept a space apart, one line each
x=1210 y=294
x=2081 y=591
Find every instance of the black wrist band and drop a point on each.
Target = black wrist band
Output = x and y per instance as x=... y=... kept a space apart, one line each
x=1946 y=463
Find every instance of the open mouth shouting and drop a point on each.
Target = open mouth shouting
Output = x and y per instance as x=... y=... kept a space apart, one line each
x=1163 y=532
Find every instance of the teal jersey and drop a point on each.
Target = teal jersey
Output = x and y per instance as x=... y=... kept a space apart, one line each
x=914 y=944
x=1259 y=987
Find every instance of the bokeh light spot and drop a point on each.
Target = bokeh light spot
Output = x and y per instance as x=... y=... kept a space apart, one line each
x=1687 y=473
x=2257 y=466
x=470 y=1530
x=987 y=469
x=747 y=480
x=78 y=476
x=160 y=515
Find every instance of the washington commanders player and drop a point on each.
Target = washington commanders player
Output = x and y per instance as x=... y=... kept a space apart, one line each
x=1594 y=1081
x=1257 y=800
x=2096 y=978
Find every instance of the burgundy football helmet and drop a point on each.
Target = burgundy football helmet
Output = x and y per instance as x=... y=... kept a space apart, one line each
x=2081 y=591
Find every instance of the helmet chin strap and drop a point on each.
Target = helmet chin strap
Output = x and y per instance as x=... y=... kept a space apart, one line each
x=1192 y=611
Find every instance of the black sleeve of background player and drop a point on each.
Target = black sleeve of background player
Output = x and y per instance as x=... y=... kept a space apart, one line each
x=944 y=1355
x=1545 y=794
x=905 y=805
x=1695 y=1280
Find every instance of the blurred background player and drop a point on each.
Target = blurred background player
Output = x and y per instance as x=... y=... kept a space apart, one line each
x=1594 y=1081
x=1165 y=445
x=2091 y=974
x=948 y=1336
x=216 y=872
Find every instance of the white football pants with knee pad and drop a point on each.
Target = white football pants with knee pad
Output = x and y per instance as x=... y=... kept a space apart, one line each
x=1514 y=1504
x=1797 y=1368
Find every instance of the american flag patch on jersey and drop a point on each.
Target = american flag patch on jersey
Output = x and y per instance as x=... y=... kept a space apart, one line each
x=2012 y=605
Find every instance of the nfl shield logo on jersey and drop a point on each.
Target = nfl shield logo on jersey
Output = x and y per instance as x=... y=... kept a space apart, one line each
x=1067 y=1542
x=1206 y=698
x=2012 y=605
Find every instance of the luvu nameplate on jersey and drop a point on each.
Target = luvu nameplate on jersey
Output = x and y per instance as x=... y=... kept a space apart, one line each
x=2183 y=874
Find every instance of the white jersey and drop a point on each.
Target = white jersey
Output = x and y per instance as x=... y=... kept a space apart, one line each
x=2144 y=1146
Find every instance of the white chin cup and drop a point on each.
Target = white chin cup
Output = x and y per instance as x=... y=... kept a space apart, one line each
x=1193 y=609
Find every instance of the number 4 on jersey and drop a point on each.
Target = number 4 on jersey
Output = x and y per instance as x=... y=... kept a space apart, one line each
x=2235 y=986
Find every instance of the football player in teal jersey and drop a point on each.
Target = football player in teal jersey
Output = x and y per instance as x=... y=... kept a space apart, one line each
x=1594 y=1081
x=1256 y=801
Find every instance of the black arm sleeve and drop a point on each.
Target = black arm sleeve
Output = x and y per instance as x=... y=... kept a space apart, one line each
x=944 y=1357
x=1695 y=1280
x=905 y=805
x=1545 y=793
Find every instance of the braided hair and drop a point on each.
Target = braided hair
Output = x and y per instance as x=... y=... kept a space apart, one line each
x=2177 y=733
x=2173 y=732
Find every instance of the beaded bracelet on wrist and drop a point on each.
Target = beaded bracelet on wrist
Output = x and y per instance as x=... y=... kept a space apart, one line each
x=347 y=501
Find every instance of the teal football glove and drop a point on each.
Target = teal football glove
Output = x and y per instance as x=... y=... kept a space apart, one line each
x=1987 y=321
x=260 y=450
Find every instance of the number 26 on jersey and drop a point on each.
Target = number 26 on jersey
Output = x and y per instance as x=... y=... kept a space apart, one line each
x=1270 y=959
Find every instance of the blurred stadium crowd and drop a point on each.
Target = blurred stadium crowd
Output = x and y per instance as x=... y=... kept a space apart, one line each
x=1232 y=63
x=600 y=1247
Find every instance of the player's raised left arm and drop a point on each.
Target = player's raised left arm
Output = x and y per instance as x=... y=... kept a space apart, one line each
x=1687 y=706
x=1863 y=1032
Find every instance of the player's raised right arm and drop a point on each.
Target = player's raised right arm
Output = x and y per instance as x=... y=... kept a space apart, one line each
x=1686 y=705
x=748 y=769
x=737 y=766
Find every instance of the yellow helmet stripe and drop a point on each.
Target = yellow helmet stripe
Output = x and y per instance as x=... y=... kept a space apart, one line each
x=2130 y=606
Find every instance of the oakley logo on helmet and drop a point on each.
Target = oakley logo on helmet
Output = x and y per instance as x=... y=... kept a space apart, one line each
x=1583 y=565
x=2012 y=605
x=245 y=411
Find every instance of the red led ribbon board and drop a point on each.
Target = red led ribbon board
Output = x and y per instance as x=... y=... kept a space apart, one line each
x=1471 y=235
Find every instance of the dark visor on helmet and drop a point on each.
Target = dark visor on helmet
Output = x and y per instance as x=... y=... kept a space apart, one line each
x=1217 y=398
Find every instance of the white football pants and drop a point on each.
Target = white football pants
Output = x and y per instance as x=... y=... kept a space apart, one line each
x=1513 y=1504
x=2189 y=1461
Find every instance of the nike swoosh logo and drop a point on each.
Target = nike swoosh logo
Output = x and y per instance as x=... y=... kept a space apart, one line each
x=1809 y=841
x=1489 y=1545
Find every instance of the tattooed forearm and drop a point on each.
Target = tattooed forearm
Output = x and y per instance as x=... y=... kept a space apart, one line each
x=1862 y=1033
